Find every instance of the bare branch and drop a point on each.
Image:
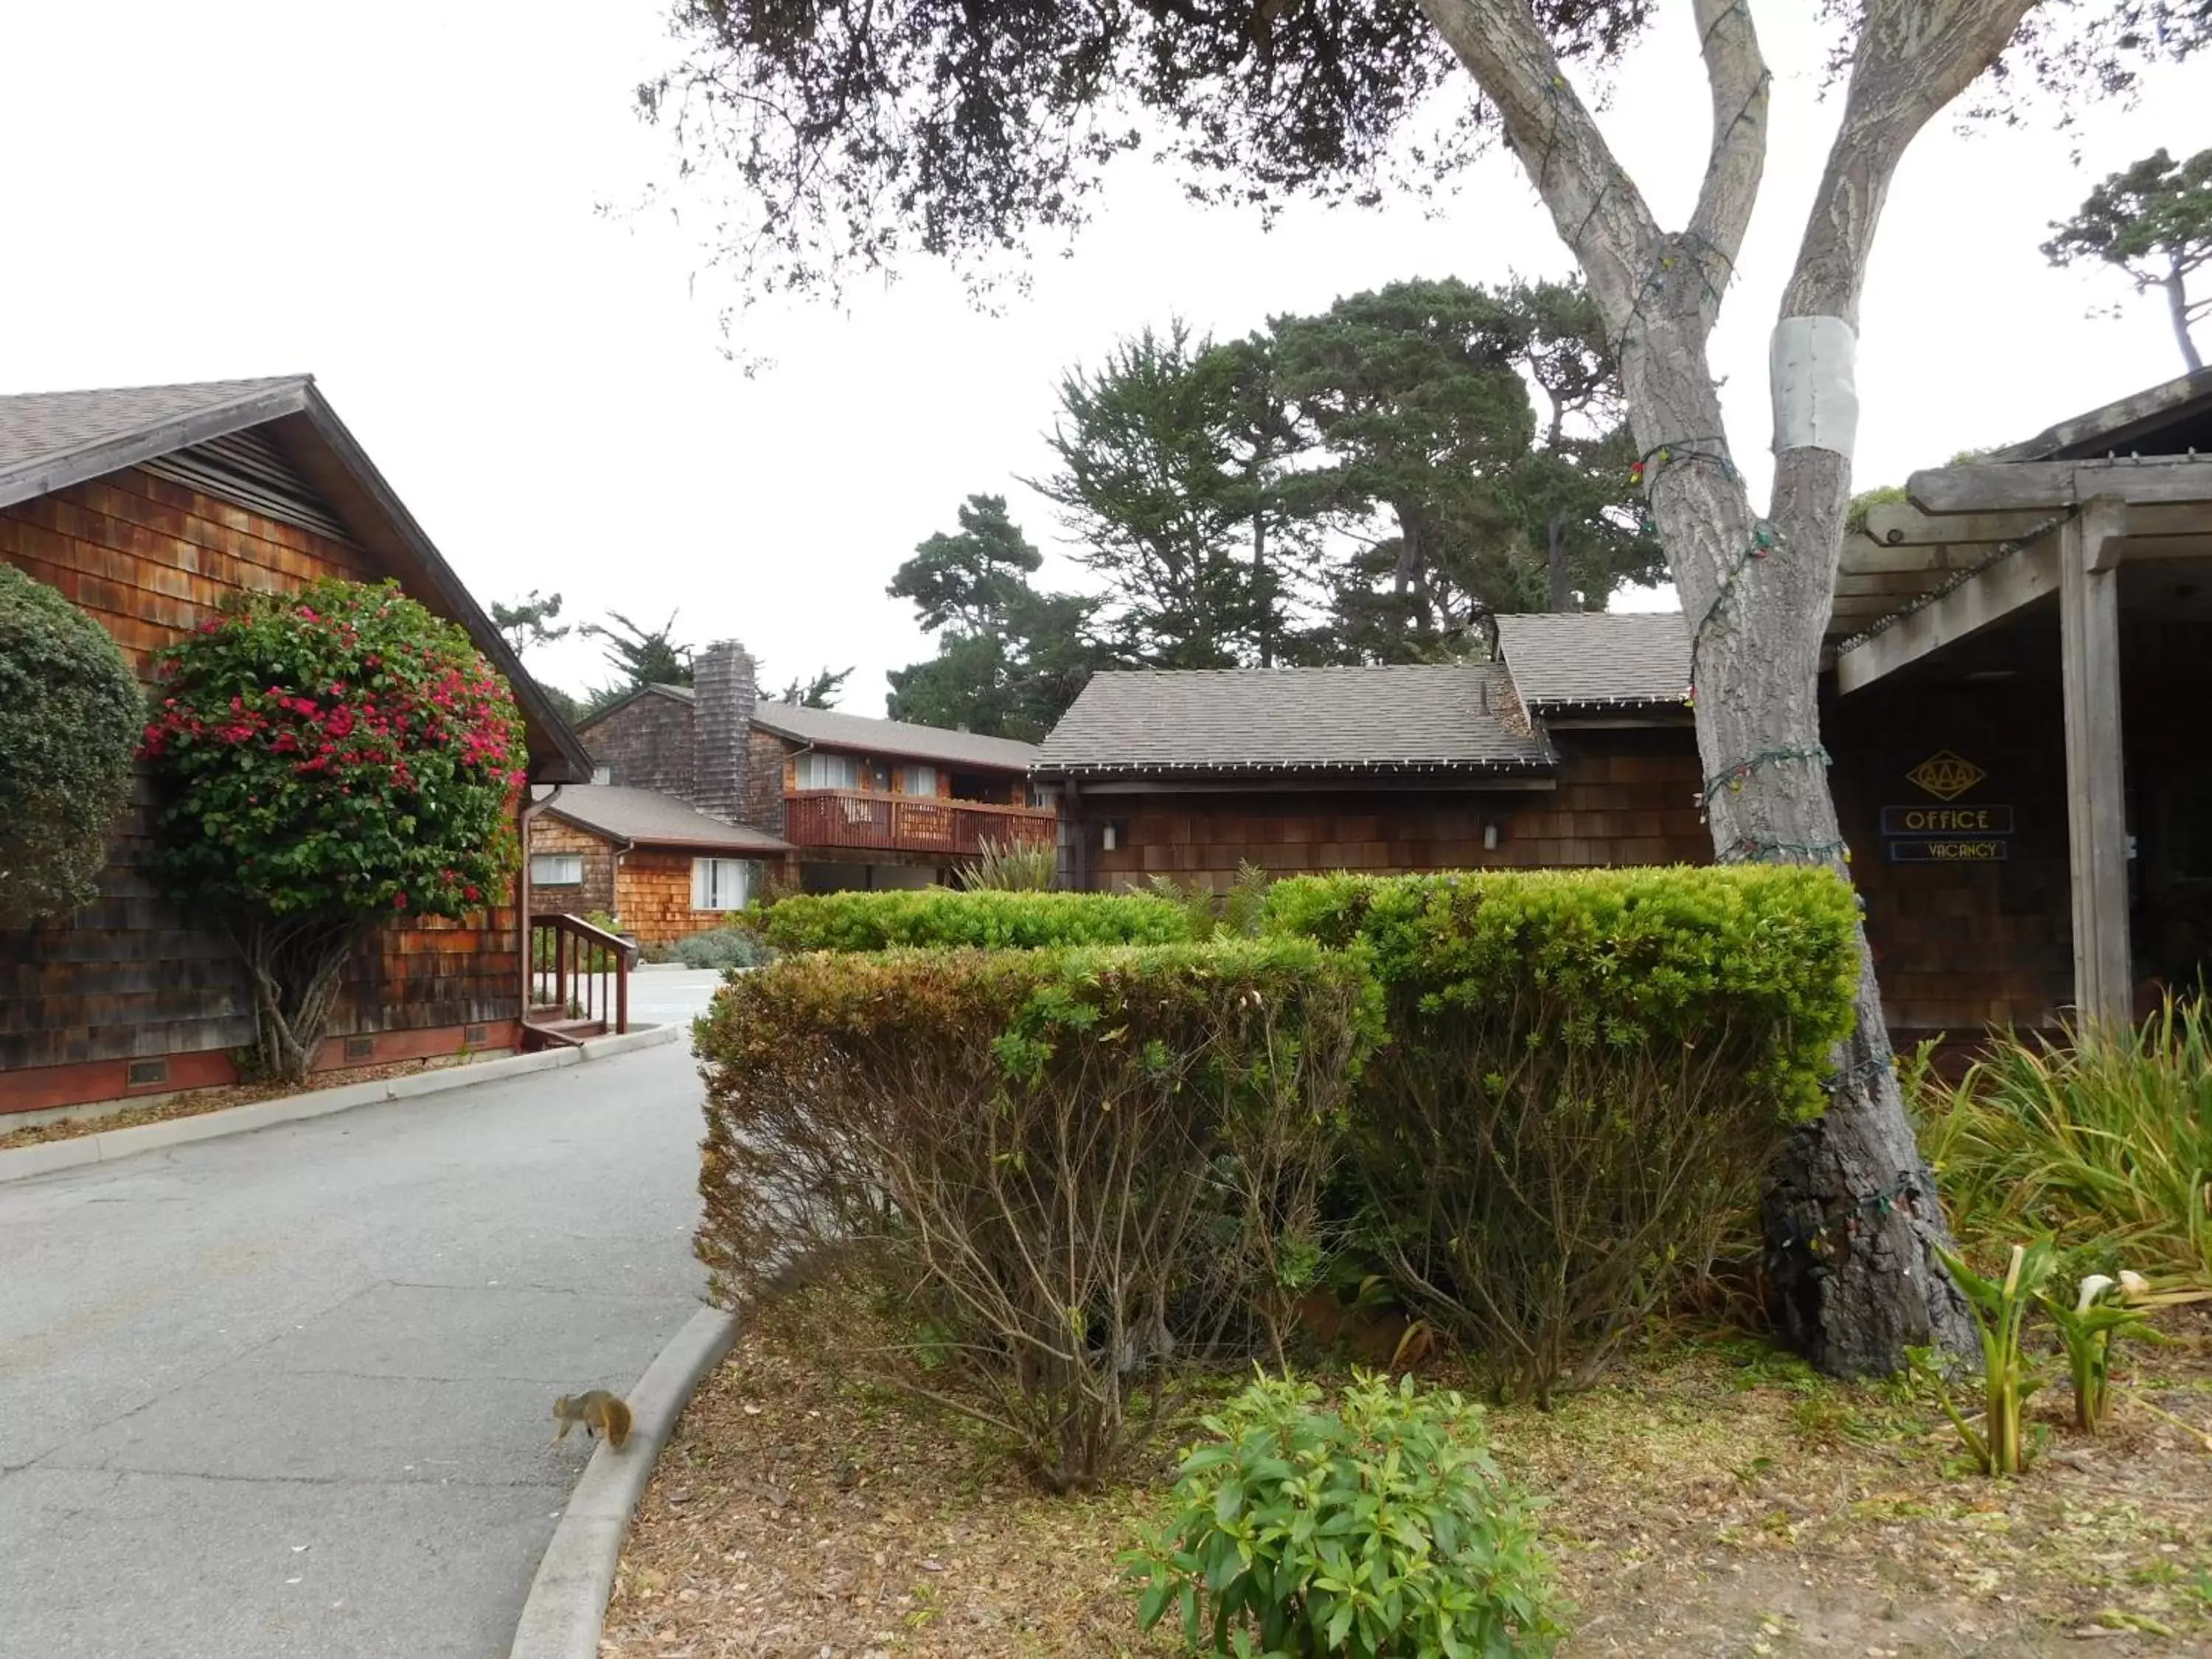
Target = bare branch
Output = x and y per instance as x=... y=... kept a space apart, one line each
x=1913 y=58
x=1601 y=214
x=1736 y=70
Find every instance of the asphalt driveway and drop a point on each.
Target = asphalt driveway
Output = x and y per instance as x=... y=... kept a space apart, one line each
x=288 y=1392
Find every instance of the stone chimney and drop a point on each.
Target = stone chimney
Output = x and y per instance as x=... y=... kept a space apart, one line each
x=722 y=711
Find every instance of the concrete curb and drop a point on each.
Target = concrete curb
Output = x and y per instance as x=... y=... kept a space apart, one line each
x=23 y=1163
x=568 y=1603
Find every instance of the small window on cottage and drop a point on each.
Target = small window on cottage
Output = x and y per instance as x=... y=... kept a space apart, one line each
x=603 y=775
x=556 y=869
x=816 y=770
x=917 y=780
x=720 y=884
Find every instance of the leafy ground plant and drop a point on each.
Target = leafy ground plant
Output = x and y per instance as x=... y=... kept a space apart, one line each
x=2000 y=1308
x=2094 y=1136
x=1381 y=1529
x=1010 y=866
x=2088 y=1328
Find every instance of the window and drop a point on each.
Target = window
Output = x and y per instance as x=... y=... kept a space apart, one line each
x=816 y=770
x=720 y=884
x=556 y=869
x=917 y=780
x=603 y=775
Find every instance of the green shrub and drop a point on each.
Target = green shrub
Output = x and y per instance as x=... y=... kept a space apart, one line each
x=2101 y=1138
x=1240 y=912
x=1381 y=1529
x=723 y=947
x=1011 y=867
x=69 y=712
x=934 y=918
x=1080 y=1167
x=1588 y=1074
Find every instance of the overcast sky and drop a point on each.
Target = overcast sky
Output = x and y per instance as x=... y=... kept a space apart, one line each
x=402 y=199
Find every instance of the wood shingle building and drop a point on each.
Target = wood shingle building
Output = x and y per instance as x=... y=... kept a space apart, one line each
x=148 y=507
x=2021 y=846
x=839 y=800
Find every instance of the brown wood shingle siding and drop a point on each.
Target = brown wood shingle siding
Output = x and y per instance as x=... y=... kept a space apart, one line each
x=597 y=889
x=1627 y=803
x=130 y=975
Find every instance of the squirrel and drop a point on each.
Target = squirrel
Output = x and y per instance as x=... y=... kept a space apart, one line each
x=596 y=1410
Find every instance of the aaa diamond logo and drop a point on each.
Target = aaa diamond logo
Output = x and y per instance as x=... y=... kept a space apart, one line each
x=1945 y=775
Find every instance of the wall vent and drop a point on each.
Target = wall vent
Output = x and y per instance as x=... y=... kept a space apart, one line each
x=248 y=470
x=143 y=1071
x=360 y=1048
x=475 y=1037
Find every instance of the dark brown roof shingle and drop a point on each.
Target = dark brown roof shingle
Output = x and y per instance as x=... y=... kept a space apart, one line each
x=1596 y=658
x=1248 y=720
x=52 y=439
x=648 y=816
x=894 y=740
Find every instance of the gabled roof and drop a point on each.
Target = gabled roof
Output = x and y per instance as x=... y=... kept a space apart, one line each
x=1248 y=721
x=1596 y=659
x=652 y=819
x=2162 y=420
x=52 y=439
x=895 y=739
x=832 y=728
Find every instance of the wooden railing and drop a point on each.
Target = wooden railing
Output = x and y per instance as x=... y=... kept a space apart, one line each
x=578 y=980
x=908 y=823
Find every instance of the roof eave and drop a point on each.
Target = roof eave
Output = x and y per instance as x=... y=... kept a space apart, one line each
x=557 y=754
x=50 y=472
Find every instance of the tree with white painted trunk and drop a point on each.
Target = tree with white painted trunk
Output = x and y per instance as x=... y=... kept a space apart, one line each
x=862 y=135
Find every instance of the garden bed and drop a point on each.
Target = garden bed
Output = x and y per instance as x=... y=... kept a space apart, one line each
x=1716 y=1498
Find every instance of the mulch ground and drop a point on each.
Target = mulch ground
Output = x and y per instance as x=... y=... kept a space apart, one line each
x=1715 y=1498
x=191 y=1103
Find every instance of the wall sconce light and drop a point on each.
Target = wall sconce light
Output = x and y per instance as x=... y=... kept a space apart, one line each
x=1489 y=837
x=1107 y=839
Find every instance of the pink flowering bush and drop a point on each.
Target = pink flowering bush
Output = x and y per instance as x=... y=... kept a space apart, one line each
x=332 y=757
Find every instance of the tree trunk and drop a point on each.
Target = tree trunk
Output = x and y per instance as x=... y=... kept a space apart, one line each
x=2176 y=300
x=1555 y=565
x=1259 y=586
x=1852 y=1216
x=297 y=964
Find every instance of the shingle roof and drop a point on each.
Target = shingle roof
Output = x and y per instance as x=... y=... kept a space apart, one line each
x=1596 y=658
x=895 y=738
x=1245 y=721
x=648 y=816
x=50 y=439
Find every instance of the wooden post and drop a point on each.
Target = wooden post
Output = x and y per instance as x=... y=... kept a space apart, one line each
x=2097 y=848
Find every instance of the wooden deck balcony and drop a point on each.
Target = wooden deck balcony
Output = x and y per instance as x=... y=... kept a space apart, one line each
x=908 y=823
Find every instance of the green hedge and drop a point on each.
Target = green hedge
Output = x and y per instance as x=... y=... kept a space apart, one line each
x=937 y=919
x=1077 y=1167
x=70 y=714
x=1587 y=1074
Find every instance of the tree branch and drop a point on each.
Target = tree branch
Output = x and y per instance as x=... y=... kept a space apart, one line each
x=1599 y=214
x=1913 y=58
x=1736 y=70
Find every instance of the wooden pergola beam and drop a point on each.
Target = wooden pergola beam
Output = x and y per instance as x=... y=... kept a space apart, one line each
x=2051 y=486
x=1899 y=525
x=2028 y=575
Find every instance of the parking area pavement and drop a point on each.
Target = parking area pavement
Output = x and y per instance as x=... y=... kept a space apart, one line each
x=288 y=1393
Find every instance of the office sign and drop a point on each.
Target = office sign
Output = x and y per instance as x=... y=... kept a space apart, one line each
x=1947 y=820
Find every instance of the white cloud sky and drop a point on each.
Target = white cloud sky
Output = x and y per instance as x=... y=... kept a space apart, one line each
x=401 y=199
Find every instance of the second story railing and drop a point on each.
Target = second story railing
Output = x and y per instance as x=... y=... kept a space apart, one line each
x=908 y=823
